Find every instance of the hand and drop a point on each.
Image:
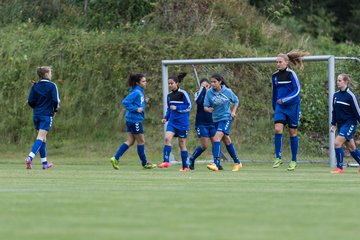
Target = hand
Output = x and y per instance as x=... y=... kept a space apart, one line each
x=147 y=99
x=139 y=110
x=332 y=128
x=209 y=109
x=163 y=121
x=172 y=107
x=233 y=114
x=279 y=101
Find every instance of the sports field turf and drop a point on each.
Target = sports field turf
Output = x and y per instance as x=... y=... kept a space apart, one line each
x=97 y=202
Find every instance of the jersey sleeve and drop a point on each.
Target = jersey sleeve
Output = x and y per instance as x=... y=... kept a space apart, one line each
x=333 y=114
x=129 y=100
x=55 y=98
x=292 y=97
x=274 y=93
x=31 y=98
x=355 y=107
x=167 y=114
x=186 y=106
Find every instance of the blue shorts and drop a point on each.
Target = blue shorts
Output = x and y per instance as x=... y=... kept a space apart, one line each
x=178 y=132
x=347 y=131
x=134 y=127
x=206 y=132
x=42 y=122
x=223 y=126
x=288 y=115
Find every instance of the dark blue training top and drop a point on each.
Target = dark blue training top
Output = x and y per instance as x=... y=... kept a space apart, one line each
x=345 y=108
x=203 y=119
x=44 y=98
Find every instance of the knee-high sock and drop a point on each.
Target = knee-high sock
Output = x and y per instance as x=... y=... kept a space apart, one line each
x=294 y=144
x=35 y=148
x=216 y=150
x=339 y=152
x=166 y=153
x=231 y=150
x=356 y=155
x=184 y=156
x=142 y=154
x=198 y=151
x=42 y=152
x=278 y=144
x=122 y=149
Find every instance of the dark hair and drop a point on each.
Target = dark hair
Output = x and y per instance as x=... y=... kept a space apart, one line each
x=204 y=80
x=135 y=78
x=179 y=77
x=220 y=78
x=41 y=71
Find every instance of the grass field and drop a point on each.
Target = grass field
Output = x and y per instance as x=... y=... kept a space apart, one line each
x=93 y=201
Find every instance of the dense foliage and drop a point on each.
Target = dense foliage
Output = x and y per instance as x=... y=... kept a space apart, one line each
x=94 y=45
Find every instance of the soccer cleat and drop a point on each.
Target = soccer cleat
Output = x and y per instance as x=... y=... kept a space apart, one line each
x=237 y=167
x=292 y=166
x=47 y=166
x=192 y=164
x=28 y=163
x=149 y=165
x=184 y=169
x=114 y=163
x=164 y=165
x=212 y=167
x=277 y=163
x=337 y=170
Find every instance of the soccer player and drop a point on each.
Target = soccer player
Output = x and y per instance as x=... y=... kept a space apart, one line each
x=217 y=101
x=286 y=104
x=134 y=104
x=178 y=121
x=44 y=99
x=345 y=115
x=204 y=124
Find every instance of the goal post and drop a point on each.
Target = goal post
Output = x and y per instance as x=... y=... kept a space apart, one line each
x=330 y=59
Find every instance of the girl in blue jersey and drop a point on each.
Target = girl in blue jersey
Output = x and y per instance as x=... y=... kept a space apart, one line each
x=204 y=124
x=178 y=121
x=134 y=104
x=44 y=99
x=217 y=101
x=345 y=115
x=286 y=104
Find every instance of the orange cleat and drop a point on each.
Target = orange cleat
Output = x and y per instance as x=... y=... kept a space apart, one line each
x=337 y=170
x=164 y=165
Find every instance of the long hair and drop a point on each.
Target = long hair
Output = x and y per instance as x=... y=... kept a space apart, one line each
x=41 y=71
x=294 y=57
x=346 y=78
x=135 y=78
x=178 y=78
x=220 y=78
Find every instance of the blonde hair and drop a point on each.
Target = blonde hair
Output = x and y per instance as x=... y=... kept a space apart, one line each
x=345 y=77
x=294 y=57
x=41 y=71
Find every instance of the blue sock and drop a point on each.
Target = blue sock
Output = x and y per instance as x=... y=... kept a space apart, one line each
x=356 y=155
x=42 y=152
x=231 y=150
x=122 y=149
x=216 y=150
x=339 y=152
x=166 y=153
x=142 y=154
x=35 y=148
x=294 y=145
x=278 y=144
x=198 y=151
x=184 y=156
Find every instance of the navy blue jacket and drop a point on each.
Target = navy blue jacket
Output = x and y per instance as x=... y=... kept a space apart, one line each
x=286 y=86
x=203 y=119
x=345 y=108
x=44 y=98
x=179 y=118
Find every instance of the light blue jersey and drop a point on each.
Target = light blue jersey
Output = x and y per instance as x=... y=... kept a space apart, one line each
x=221 y=102
x=132 y=102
